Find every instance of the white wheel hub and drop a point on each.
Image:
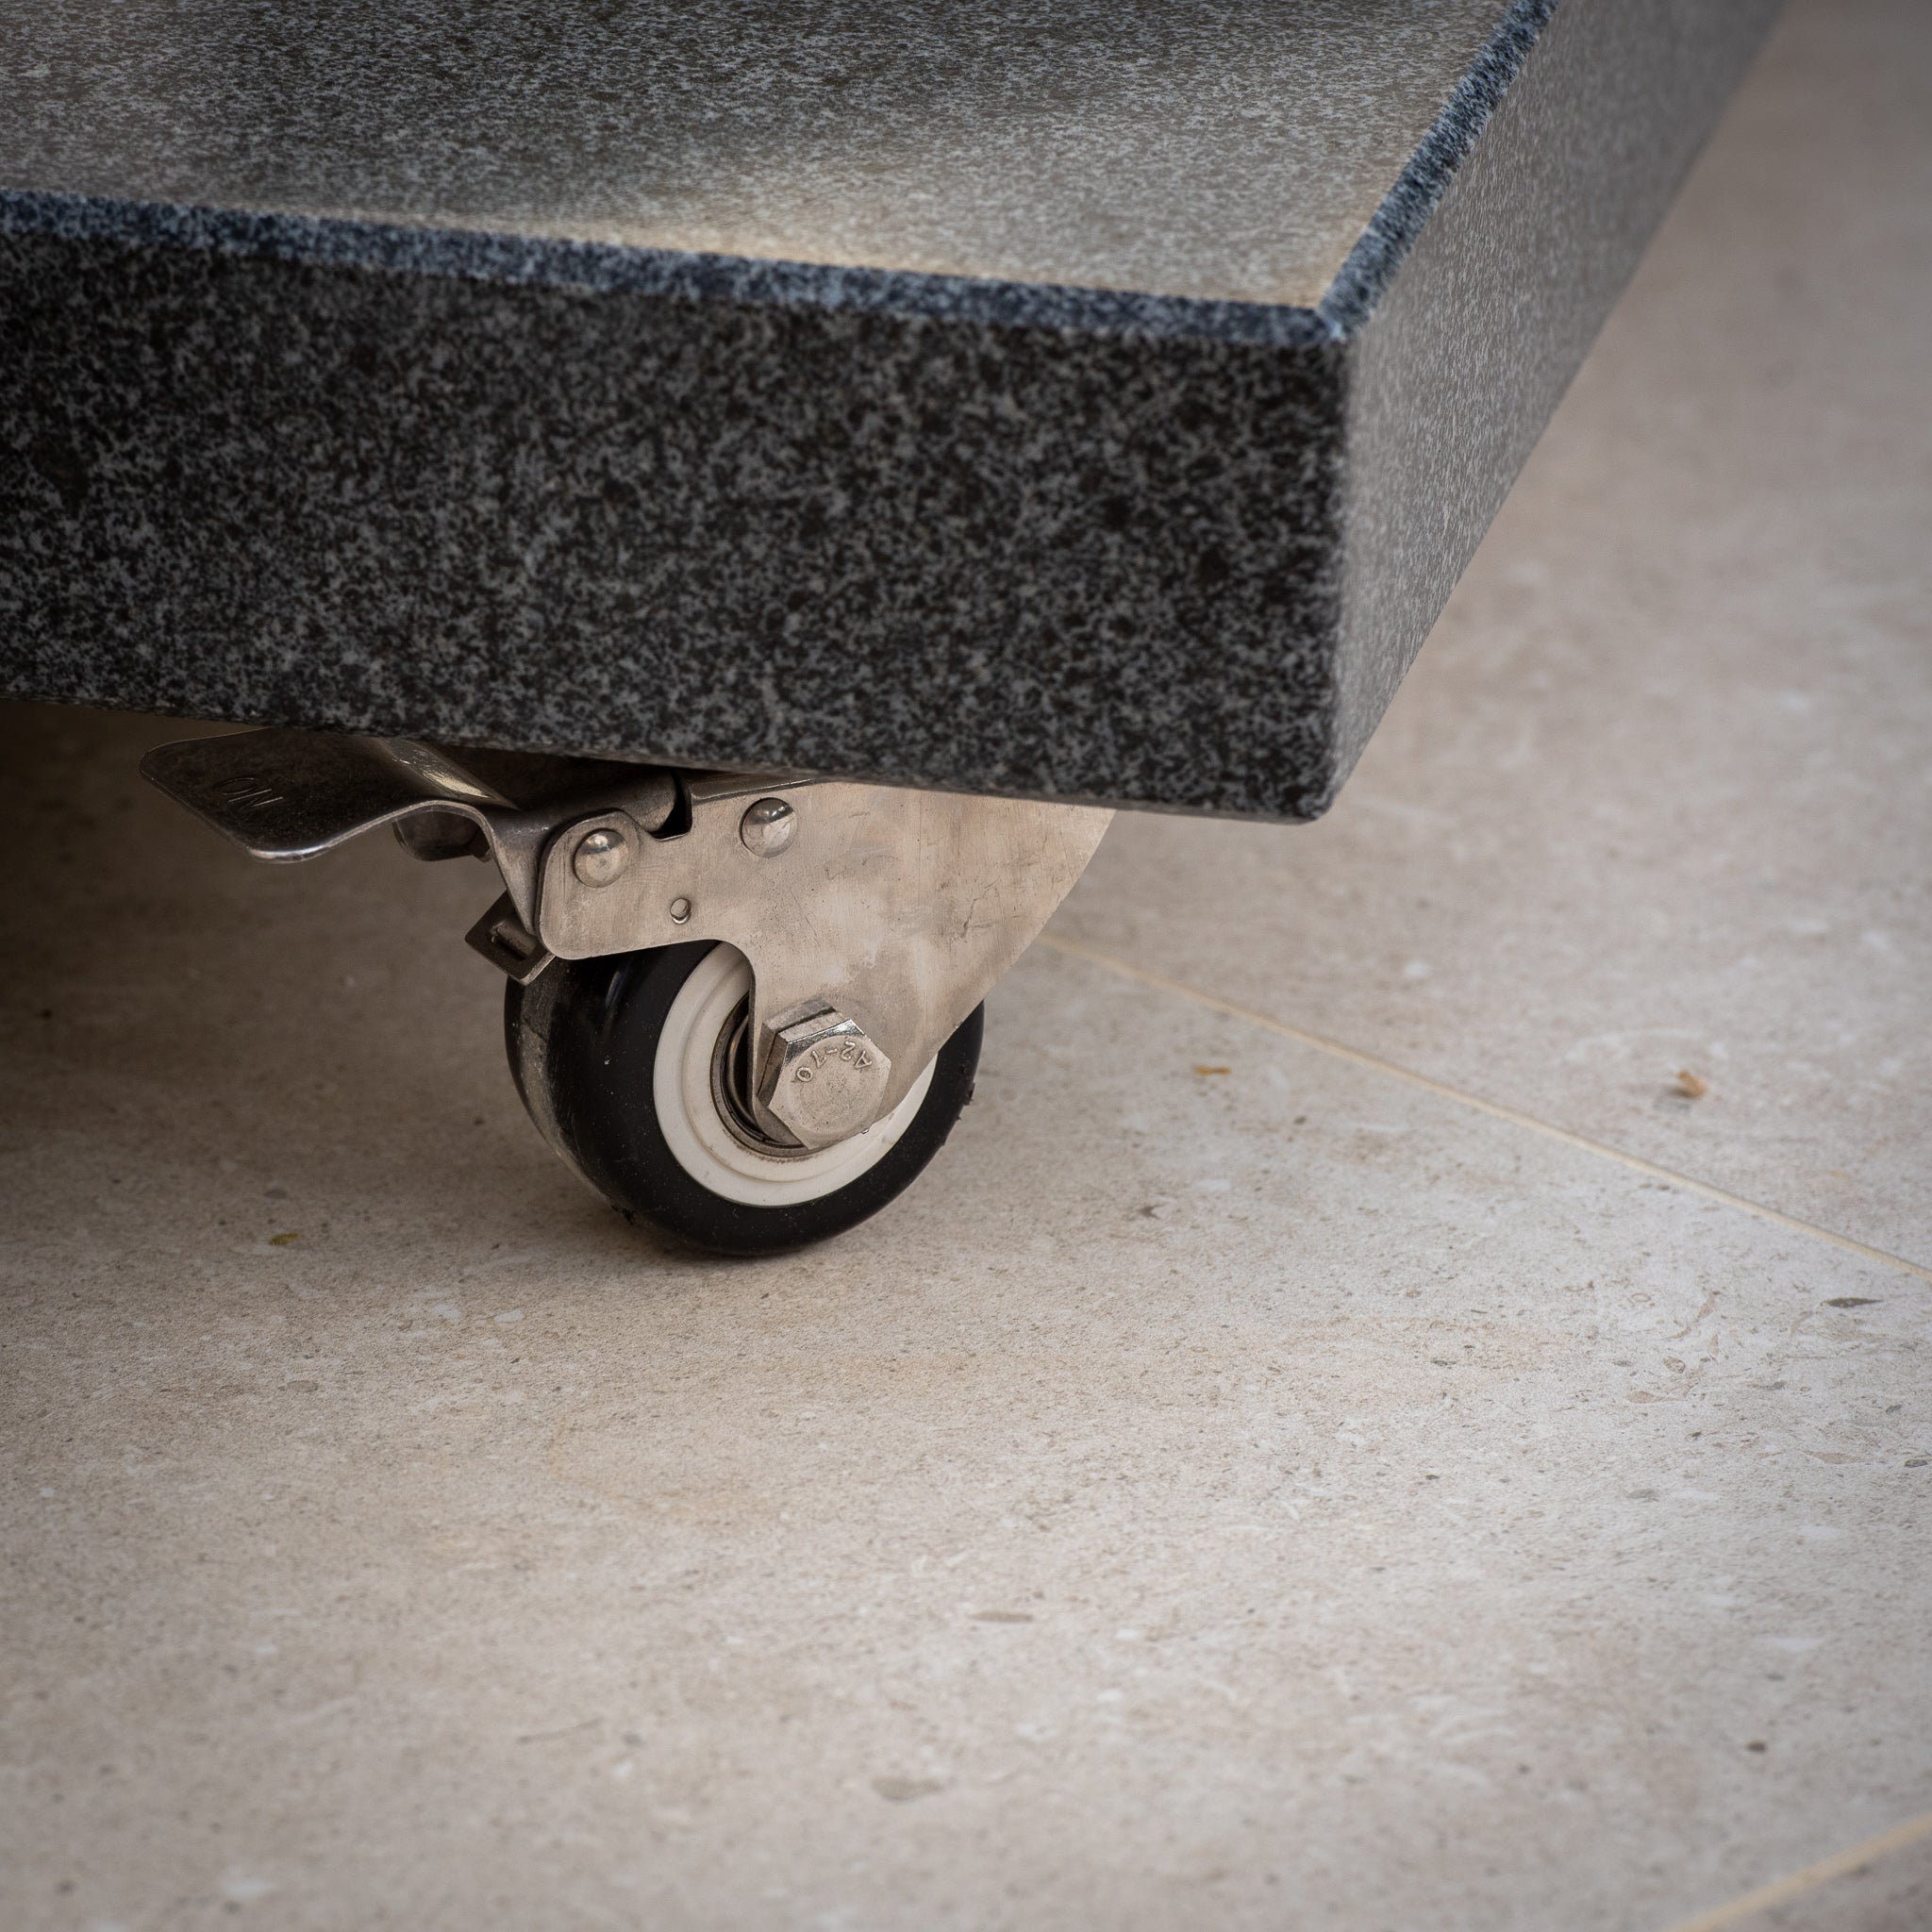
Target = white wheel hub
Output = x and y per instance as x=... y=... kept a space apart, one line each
x=700 y=1139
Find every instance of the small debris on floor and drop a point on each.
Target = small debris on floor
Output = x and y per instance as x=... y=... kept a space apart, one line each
x=1691 y=1086
x=1214 y=1069
x=899 y=1791
x=282 y=1240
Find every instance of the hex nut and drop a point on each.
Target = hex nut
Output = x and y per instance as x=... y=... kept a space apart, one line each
x=602 y=856
x=768 y=826
x=824 y=1079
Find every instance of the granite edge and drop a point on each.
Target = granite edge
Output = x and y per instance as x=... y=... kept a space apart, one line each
x=1425 y=487
x=609 y=268
x=1146 y=561
x=1370 y=265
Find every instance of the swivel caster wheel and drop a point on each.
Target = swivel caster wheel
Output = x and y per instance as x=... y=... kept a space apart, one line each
x=745 y=1008
x=636 y=1067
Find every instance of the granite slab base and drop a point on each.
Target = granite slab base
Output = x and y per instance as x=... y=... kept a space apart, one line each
x=1099 y=408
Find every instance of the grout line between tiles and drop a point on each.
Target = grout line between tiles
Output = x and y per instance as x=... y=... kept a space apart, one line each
x=1495 y=1110
x=1781 y=1890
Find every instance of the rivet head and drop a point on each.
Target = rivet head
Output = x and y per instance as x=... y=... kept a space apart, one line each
x=601 y=857
x=680 y=909
x=768 y=826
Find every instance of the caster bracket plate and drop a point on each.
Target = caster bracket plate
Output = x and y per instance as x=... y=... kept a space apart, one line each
x=900 y=908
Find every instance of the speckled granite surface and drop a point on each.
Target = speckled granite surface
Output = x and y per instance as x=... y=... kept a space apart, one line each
x=1097 y=405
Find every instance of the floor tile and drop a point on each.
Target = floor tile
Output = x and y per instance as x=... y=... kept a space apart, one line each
x=1278 y=1496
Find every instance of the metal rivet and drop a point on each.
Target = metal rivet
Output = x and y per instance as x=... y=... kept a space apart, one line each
x=768 y=826
x=680 y=909
x=601 y=856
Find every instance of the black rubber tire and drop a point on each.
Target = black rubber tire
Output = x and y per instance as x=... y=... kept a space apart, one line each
x=582 y=1040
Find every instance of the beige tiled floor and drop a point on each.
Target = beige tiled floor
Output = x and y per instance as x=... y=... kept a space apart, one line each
x=1287 y=1498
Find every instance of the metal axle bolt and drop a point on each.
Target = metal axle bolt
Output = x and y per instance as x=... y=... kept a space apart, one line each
x=824 y=1079
x=602 y=856
x=768 y=826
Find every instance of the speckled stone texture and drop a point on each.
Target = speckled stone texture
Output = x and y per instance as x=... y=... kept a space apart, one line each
x=1096 y=407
